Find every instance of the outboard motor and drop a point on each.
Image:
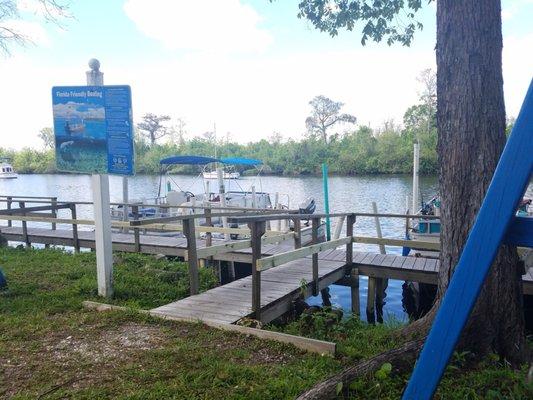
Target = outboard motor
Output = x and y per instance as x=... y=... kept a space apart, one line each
x=308 y=206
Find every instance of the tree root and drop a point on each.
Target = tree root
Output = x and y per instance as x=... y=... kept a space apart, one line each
x=401 y=358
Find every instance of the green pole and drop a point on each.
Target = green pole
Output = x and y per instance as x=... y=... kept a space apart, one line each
x=326 y=199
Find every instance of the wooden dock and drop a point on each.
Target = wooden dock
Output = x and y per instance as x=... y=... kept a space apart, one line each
x=282 y=285
x=282 y=270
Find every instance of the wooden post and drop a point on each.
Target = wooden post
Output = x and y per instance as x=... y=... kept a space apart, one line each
x=354 y=272
x=53 y=201
x=75 y=239
x=209 y=235
x=136 y=233
x=377 y=293
x=189 y=232
x=297 y=233
x=257 y=229
x=22 y=205
x=314 y=235
x=9 y=201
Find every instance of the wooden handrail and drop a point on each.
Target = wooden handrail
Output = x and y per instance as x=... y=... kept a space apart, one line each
x=42 y=200
x=282 y=258
x=120 y=224
x=417 y=244
x=273 y=261
x=228 y=247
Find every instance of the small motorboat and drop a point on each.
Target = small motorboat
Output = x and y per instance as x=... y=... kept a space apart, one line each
x=6 y=170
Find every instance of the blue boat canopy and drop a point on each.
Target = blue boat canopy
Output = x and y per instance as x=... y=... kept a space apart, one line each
x=241 y=161
x=192 y=160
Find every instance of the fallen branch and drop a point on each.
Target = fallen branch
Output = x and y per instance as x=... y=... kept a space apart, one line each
x=56 y=387
x=401 y=358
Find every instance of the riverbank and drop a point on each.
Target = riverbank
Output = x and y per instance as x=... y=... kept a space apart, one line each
x=52 y=347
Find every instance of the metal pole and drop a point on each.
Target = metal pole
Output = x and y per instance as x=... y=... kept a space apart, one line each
x=102 y=217
x=326 y=199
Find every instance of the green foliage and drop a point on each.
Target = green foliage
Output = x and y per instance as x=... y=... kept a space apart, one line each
x=359 y=151
x=390 y=20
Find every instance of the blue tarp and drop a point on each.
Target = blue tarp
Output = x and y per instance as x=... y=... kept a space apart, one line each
x=241 y=161
x=192 y=160
x=201 y=160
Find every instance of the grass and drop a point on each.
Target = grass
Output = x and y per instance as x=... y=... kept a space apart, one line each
x=50 y=347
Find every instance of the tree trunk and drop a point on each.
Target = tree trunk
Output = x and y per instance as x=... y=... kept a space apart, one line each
x=471 y=127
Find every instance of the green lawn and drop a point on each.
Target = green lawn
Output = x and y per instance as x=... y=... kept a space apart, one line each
x=50 y=346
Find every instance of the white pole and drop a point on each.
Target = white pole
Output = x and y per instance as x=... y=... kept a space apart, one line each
x=102 y=217
x=276 y=206
x=416 y=162
x=378 y=227
x=222 y=196
x=125 y=210
x=338 y=227
x=102 y=234
x=407 y=212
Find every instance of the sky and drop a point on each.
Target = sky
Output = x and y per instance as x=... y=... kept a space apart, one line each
x=248 y=67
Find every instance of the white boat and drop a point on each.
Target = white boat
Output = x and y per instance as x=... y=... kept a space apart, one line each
x=173 y=200
x=225 y=175
x=7 y=171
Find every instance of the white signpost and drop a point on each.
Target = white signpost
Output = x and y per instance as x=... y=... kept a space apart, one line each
x=101 y=206
x=94 y=134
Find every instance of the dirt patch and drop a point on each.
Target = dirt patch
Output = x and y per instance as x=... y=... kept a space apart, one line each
x=259 y=351
x=63 y=355
x=108 y=344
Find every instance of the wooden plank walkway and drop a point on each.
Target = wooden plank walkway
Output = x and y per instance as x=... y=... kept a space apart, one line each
x=281 y=285
x=233 y=301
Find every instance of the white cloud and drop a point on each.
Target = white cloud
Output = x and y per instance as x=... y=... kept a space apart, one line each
x=225 y=26
x=251 y=97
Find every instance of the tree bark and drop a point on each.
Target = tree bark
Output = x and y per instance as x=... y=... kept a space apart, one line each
x=471 y=127
x=401 y=358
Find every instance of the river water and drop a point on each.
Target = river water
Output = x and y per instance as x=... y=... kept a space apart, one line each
x=346 y=194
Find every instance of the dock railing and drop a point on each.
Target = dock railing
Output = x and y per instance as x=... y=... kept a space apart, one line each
x=261 y=264
x=255 y=220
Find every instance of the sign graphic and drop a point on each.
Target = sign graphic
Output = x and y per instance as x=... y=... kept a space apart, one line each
x=93 y=129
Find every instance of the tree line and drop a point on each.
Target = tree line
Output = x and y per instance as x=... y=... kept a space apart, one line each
x=358 y=150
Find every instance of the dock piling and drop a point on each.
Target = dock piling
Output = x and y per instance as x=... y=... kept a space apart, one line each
x=22 y=206
x=354 y=272
x=75 y=241
x=314 y=240
x=189 y=232
x=136 y=233
x=257 y=229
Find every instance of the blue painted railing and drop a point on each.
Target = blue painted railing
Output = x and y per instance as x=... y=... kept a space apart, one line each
x=495 y=223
